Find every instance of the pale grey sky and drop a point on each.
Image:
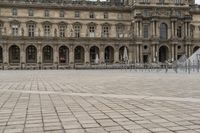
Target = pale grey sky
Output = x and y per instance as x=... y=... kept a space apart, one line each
x=198 y=1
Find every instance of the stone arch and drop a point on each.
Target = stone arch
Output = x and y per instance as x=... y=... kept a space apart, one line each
x=94 y=54
x=31 y=54
x=163 y=54
x=79 y=54
x=196 y=48
x=63 y=54
x=14 y=54
x=109 y=54
x=123 y=53
x=47 y=52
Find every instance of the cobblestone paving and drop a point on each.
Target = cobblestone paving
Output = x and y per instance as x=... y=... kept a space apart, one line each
x=103 y=101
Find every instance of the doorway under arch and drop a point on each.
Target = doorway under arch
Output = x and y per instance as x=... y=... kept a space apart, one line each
x=163 y=54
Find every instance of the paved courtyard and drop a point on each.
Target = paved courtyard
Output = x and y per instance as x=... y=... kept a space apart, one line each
x=99 y=101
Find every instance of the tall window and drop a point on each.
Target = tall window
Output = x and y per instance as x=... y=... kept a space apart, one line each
x=163 y=31
x=62 y=30
x=105 y=31
x=30 y=12
x=14 y=12
x=15 y=30
x=47 y=30
x=179 y=32
x=46 y=13
x=77 y=29
x=14 y=54
x=31 y=54
x=77 y=14
x=146 y=31
x=91 y=31
x=62 y=13
x=47 y=54
x=31 y=30
x=120 y=31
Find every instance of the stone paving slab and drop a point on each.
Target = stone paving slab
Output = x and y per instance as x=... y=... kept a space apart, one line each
x=99 y=101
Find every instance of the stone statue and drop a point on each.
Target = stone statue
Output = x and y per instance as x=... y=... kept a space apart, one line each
x=39 y=31
x=22 y=31
x=55 y=32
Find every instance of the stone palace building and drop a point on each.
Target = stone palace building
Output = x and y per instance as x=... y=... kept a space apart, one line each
x=64 y=33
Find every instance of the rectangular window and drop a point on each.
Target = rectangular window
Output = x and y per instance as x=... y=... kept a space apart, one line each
x=62 y=30
x=77 y=14
x=30 y=12
x=77 y=31
x=105 y=31
x=146 y=31
x=14 y=12
x=15 y=30
x=47 y=30
x=120 y=31
x=92 y=15
x=62 y=13
x=92 y=31
x=120 y=16
x=31 y=30
x=105 y=15
x=46 y=13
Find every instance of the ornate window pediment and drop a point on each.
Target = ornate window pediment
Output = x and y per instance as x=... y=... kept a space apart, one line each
x=14 y=22
x=46 y=23
x=31 y=22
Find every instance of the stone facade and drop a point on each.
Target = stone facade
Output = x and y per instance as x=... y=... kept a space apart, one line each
x=64 y=33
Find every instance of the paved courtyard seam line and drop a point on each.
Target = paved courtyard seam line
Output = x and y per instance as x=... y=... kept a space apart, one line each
x=159 y=98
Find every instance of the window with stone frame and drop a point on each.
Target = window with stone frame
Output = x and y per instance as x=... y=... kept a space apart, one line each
x=146 y=1
x=91 y=30
x=77 y=30
x=47 y=30
x=146 y=31
x=14 y=12
x=46 y=13
x=162 y=1
x=163 y=31
x=105 y=30
x=62 y=29
x=31 y=30
x=177 y=2
x=30 y=12
x=62 y=13
x=105 y=15
x=120 y=30
x=92 y=15
x=76 y=14
x=15 y=29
